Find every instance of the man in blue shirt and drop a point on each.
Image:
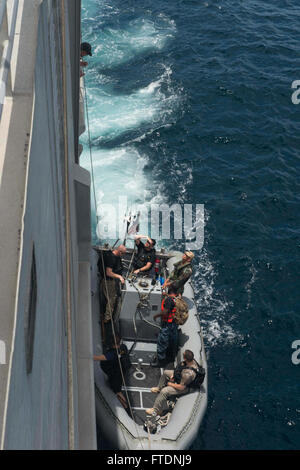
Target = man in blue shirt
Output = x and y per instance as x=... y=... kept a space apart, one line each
x=110 y=364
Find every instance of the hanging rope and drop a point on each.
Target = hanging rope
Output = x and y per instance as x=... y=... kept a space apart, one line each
x=128 y=272
x=90 y=148
x=104 y=275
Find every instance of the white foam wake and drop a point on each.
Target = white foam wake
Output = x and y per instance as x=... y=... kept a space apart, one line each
x=120 y=45
x=112 y=115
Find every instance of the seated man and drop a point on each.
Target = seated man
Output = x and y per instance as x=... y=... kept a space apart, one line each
x=174 y=383
x=167 y=341
x=145 y=256
x=181 y=273
x=111 y=366
x=111 y=278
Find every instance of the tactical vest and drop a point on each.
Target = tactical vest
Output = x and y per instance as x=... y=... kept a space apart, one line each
x=199 y=377
x=179 y=268
x=142 y=258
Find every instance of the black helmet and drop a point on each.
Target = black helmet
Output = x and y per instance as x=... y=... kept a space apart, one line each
x=85 y=46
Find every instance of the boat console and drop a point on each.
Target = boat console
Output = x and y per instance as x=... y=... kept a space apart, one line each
x=141 y=301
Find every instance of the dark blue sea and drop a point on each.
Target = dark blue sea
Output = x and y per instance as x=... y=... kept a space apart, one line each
x=190 y=102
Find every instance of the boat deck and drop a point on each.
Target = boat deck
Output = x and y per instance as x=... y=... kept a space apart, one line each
x=141 y=377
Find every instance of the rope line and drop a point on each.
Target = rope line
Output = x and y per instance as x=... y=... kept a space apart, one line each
x=90 y=148
x=104 y=274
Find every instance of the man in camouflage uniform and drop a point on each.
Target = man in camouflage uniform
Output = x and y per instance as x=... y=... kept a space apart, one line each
x=181 y=273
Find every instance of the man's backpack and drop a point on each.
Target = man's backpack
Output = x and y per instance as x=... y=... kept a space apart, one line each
x=200 y=376
x=182 y=311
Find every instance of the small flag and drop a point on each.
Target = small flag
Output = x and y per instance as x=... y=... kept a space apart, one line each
x=135 y=226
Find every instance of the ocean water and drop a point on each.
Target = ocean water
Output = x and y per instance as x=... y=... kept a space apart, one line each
x=190 y=102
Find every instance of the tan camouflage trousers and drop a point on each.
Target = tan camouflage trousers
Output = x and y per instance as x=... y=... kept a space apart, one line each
x=110 y=291
x=166 y=391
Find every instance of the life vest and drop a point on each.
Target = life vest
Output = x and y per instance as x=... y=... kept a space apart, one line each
x=169 y=316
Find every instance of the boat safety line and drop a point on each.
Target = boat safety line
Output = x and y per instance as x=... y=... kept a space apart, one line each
x=90 y=148
x=128 y=272
x=104 y=273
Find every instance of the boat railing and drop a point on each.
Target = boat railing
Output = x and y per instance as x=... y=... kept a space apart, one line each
x=8 y=19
